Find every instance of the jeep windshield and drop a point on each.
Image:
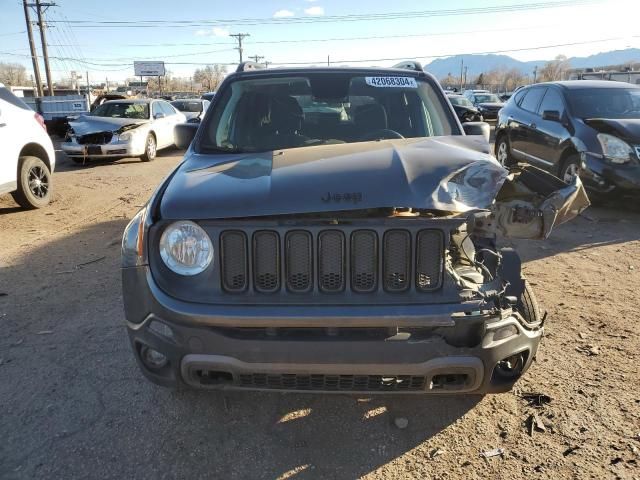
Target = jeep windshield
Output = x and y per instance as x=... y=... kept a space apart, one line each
x=265 y=113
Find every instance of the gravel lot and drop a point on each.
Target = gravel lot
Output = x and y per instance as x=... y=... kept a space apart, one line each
x=75 y=406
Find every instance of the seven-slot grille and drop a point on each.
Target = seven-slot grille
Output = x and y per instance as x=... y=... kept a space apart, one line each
x=331 y=261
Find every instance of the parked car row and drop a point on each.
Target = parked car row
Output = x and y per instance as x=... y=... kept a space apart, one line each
x=588 y=128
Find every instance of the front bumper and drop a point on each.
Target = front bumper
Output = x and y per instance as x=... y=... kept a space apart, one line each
x=604 y=177
x=422 y=349
x=107 y=150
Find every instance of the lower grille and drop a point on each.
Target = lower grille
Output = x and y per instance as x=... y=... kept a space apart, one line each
x=353 y=383
x=96 y=138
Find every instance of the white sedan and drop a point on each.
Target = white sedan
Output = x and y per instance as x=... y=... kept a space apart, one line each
x=27 y=158
x=123 y=128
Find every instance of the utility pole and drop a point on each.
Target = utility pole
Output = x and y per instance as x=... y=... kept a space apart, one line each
x=535 y=73
x=240 y=37
x=465 y=75
x=43 y=39
x=256 y=58
x=461 y=73
x=328 y=61
x=32 y=47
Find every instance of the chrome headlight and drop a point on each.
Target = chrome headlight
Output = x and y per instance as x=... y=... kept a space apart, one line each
x=126 y=136
x=186 y=248
x=615 y=149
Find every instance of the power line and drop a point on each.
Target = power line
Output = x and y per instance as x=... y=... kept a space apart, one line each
x=341 y=39
x=370 y=60
x=83 y=23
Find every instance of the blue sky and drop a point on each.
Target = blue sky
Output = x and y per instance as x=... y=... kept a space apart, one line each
x=112 y=50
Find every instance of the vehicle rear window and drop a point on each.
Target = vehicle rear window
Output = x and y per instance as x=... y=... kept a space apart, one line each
x=532 y=100
x=9 y=97
x=193 y=106
x=552 y=101
x=271 y=113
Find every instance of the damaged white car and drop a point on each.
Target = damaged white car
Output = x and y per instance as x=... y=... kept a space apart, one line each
x=123 y=128
x=335 y=230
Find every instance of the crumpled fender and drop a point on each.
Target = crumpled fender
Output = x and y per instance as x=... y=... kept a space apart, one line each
x=530 y=204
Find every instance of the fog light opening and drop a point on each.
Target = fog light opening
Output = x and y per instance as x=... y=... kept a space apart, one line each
x=505 y=332
x=152 y=359
x=511 y=367
x=161 y=329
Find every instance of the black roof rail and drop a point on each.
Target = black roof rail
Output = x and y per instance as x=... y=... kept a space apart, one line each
x=247 y=66
x=409 y=65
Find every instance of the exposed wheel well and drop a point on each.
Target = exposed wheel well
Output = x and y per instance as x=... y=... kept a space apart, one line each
x=570 y=151
x=35 y=150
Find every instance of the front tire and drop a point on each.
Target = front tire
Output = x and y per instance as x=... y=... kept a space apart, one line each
x=150 y=149
x=570 y=168
x=527 y=305
x=34 y=183
x=503 y=151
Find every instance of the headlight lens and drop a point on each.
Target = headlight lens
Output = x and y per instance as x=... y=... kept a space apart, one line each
x=473 y=186
x=614 y=149
x=126 y=136
x=186 y=248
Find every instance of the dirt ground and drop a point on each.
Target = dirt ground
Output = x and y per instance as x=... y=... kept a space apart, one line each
x=73 y=404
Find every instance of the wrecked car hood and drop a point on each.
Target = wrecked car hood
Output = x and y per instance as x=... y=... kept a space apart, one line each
x=453 y=173
x=89 y=124
x=627 y=129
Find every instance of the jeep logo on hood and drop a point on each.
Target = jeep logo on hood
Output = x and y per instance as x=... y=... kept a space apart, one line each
x=348 y=197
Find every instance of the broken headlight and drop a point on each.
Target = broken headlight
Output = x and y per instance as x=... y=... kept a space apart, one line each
x=476 y=185
x=186 y=248
x=615 y=149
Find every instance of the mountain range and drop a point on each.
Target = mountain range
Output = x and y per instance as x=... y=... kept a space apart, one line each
x=477 y=64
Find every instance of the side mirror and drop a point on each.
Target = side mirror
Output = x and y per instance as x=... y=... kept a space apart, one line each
x=477 y=128
x=551 y=115
x=184 y=133
x=159 y=115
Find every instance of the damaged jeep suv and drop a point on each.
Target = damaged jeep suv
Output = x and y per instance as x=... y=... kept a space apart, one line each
x=334 y=229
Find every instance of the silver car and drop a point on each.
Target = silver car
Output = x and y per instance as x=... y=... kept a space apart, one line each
x=123 y=128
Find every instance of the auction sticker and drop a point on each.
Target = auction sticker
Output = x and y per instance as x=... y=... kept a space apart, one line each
x=391 y=82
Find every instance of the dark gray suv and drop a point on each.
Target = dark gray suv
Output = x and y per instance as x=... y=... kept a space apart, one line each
x=334 y=230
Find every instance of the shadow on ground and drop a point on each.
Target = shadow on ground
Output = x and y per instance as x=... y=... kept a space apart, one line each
x=74 y=402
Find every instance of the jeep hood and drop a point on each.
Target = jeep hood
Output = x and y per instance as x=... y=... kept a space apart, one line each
x=87 y=124
x=388 y=173
x=453 y=174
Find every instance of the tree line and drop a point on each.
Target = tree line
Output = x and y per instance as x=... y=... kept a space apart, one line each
x=507 y=80
x=207 y=78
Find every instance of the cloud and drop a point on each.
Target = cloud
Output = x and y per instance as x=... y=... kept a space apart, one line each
x=283 y=13
x=314 y=11
x=220 y=32
x=214 y=32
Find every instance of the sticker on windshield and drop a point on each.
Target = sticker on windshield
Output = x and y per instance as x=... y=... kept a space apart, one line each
x=391 y=82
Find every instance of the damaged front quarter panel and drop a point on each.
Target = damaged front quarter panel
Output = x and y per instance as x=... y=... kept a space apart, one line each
x=530 y=204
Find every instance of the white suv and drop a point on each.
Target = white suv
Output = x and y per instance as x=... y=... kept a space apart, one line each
x=27 y=157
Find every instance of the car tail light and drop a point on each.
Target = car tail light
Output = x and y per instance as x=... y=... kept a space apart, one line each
x=40 y=120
